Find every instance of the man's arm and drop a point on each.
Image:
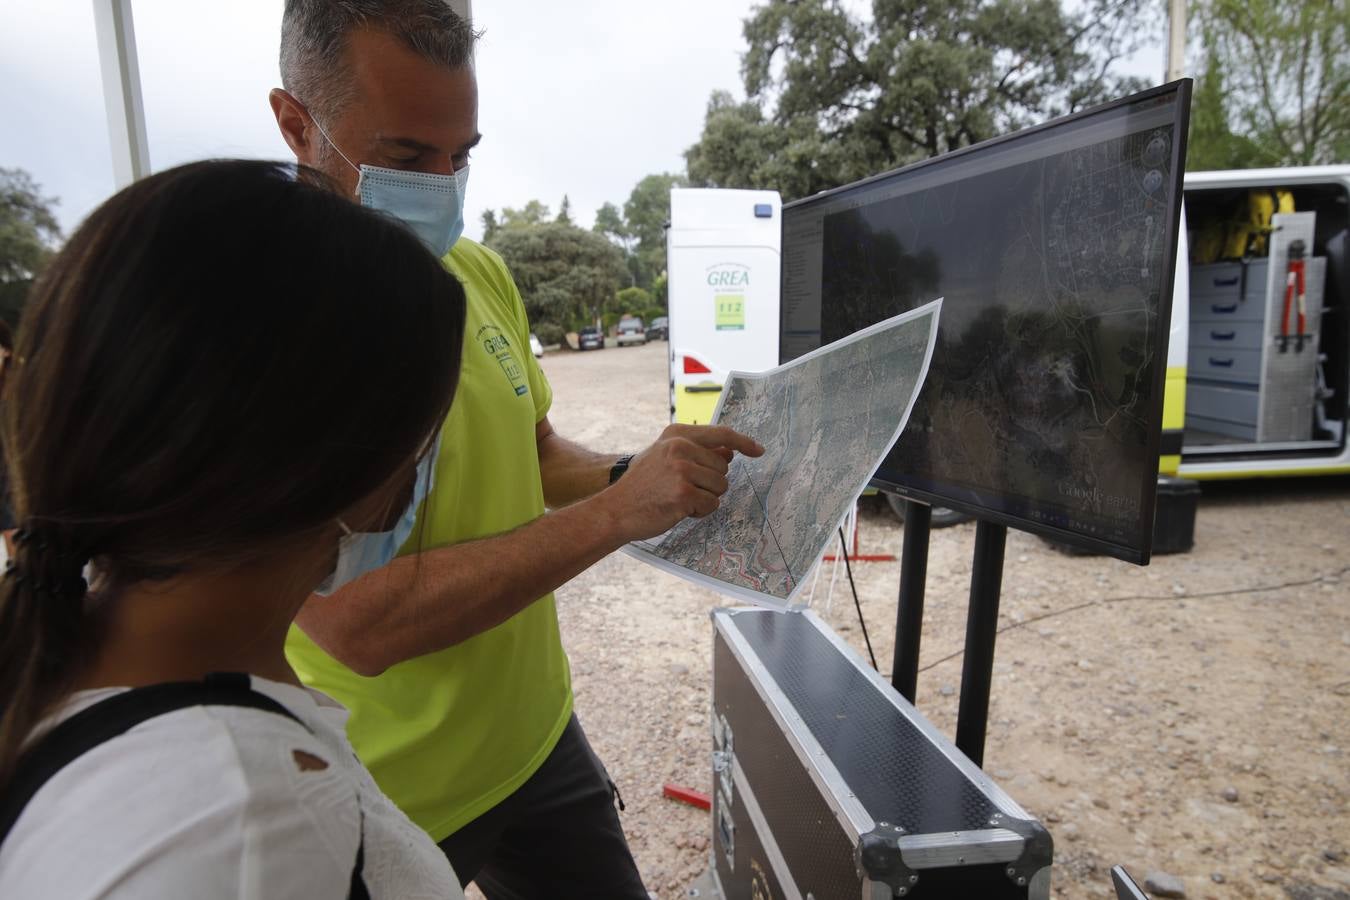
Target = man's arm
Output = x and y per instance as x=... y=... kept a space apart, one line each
x=426 y=602
x=570 y=472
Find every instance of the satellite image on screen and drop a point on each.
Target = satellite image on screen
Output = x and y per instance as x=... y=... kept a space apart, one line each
x=1055 y=262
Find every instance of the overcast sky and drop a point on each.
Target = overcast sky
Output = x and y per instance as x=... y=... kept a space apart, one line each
x=577 y=98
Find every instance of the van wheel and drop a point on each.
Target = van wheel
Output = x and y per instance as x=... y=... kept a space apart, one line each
x=942 y=516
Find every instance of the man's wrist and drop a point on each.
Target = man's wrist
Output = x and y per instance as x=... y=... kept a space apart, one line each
x=620 y=466
x=603 y=518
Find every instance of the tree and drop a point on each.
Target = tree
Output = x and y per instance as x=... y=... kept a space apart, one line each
x=1212 y=144
x=645 y=216
x=610 y=224
x=661 y=290
x=565 y=274
x=640 y=228
x=834 y=96
x=632 y=300
x=490 y=225
x=28 y=228
x=1281 y=80
x=28 y=232
x=532 y=213
x=565 y=213
x=740 y=147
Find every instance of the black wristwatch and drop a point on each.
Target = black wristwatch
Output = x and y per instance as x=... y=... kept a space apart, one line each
x=616 y=471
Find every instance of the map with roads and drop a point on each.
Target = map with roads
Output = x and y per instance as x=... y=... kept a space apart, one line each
x=826 y=421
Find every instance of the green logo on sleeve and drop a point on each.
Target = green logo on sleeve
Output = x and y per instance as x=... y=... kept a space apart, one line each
x=496 y=345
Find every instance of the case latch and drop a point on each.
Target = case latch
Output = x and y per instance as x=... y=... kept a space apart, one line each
x=879 y=862
x=724 y=755
x=1038 y=850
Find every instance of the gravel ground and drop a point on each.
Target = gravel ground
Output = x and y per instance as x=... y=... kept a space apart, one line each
x=1189 y=717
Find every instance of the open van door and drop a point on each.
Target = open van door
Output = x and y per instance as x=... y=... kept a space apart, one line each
x=1267 y=344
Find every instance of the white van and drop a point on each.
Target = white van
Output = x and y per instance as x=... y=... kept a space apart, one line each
x=723 y=258
x=1258 y=367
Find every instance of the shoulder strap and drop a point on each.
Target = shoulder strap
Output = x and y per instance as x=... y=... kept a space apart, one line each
x=114 y=716
x=358 y=890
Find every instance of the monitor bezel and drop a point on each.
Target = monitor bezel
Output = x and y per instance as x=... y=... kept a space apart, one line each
x=1142 y=554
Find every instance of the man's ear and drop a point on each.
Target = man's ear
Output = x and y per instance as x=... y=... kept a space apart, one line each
x=294 y=122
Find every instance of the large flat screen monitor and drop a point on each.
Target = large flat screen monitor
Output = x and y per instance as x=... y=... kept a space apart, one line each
x=1055 y=249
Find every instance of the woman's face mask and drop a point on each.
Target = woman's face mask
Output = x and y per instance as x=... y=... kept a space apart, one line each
x=360 y=552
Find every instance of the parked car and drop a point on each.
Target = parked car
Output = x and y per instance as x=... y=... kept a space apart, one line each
x=631 y=331
x=591 y=338
x=659 y=330
x=535 y=347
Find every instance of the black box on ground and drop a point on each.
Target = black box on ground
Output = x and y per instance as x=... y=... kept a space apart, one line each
x=829 y=785
x=1174 y=516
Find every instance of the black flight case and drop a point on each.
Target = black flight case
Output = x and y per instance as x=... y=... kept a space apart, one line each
x=828 y=784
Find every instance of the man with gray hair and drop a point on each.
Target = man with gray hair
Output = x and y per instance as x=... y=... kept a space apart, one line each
x=450 y=659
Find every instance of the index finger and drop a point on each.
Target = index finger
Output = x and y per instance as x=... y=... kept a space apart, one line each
x=715 y=436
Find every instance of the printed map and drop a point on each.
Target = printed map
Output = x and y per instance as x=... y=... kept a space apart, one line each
x=826 y=420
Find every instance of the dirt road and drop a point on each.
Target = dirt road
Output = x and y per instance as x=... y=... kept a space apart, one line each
x=1190 y=717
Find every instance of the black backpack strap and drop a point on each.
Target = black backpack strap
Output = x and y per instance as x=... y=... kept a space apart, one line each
x=358 y=889
x=115 y=716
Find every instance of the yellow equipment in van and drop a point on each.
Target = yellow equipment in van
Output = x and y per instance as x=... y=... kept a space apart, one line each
x=1245 y=233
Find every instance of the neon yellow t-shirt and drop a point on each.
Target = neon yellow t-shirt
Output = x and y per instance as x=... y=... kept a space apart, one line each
x=451 y=734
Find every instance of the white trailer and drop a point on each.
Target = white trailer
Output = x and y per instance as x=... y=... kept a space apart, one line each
x=723 y=263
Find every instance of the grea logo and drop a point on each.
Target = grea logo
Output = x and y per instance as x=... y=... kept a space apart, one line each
x=729 y=275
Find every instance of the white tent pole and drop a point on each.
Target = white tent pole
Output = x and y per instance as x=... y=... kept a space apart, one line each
x=122 y=90
x=1176 y=39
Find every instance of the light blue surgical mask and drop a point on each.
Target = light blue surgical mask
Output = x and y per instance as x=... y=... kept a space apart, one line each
x=431 y=205
x=360 y=552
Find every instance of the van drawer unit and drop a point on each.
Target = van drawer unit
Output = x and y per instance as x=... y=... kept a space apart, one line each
x=1240 y=405
x=1229 y=291
x=1221 y=334
x=1232 y=309
x=1232 y=280
x=1224 y=364
x=1241 y=433
x=829 y=785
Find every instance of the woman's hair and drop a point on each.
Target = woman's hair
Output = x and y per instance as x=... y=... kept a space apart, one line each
x=225 y=357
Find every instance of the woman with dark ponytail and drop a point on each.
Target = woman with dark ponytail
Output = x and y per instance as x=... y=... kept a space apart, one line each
x=196 y=419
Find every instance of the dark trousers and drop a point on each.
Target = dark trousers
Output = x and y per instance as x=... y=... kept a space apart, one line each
x=558 y=835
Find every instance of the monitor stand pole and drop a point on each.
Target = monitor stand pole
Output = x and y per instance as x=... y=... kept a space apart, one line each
x=909 y=615
x=986 y=582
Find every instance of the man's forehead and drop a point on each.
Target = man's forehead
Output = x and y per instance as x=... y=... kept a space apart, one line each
x=400 y=95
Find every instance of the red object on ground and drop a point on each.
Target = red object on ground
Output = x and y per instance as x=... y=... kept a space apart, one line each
x=687 y=795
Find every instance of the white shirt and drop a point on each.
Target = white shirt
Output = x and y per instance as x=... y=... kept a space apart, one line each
x=212 y=802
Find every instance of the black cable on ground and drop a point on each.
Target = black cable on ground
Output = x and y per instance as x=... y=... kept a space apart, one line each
x=843 y=549
x=1317 y=579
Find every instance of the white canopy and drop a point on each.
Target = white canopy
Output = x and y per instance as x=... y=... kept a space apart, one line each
x=122 y=86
